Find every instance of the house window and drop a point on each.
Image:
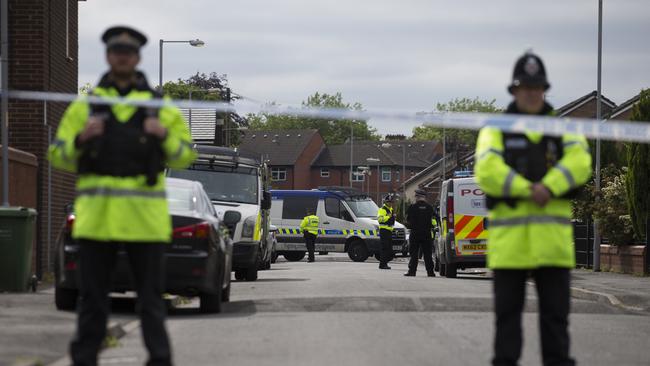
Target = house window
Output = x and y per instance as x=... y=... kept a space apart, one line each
x=324 y=172
x=398 y=175
x=279 y=174
x=385 y=174
x=358 y=176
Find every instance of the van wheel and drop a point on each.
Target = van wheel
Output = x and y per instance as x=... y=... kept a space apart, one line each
x=357 y=251
x=451 y=270
x=443 y=269
x=240 y=274
x=294 y=256
x=251 y=274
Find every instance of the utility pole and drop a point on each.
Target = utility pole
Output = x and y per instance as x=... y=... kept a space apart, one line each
x=4 y=104
x=598 y=117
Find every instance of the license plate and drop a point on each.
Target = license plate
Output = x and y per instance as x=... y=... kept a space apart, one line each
x=397 y=247
x=474 y=247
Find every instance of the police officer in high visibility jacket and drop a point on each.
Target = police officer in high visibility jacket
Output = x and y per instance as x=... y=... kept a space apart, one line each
x=419 y=217
x=386 y=219
x=529 y=179
x=119 y=152
x=309 y=226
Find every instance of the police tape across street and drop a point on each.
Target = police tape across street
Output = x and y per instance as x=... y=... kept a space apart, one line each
x=553 y=126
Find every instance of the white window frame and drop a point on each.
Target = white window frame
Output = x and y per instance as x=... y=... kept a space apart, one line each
x=277 y=172
x=358 y=176
x=324 y=172
x=386 y=170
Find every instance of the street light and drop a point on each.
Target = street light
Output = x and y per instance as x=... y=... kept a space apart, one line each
x=375 y=160
x=193 y=42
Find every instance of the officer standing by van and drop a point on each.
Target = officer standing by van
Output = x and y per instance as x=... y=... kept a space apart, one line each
x=419 y=217
x=119 y=152
x=529 y=179
x=386 y=219
x=309 y=226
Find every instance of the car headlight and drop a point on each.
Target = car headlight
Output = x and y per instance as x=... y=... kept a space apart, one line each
x=248 y=230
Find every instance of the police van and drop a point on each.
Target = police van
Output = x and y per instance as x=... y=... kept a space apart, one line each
x=348 y=223
x=462 y=242
x=238 y=188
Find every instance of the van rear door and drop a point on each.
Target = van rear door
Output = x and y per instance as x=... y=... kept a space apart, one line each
x=470 y=212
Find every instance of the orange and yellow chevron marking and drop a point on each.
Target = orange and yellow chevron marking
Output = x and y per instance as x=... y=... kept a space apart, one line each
x=469 y=227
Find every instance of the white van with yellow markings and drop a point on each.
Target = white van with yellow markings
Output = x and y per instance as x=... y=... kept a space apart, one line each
x=463 y=240
x=348 y=223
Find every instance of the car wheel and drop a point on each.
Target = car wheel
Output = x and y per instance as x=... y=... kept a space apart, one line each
x=251 y=274
x=65 y=298
x=210 y=303
x=357 y=251
x=240 y=274
x=443 y=269
x=451 y=270
x=294 y=256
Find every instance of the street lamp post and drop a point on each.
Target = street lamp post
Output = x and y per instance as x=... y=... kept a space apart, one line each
x=596 y=255
x=193 y=42
x=375 y=160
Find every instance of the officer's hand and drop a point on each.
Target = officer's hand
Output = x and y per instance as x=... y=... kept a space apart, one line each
x=152 y=126
x=94 y=127
x=540 y=194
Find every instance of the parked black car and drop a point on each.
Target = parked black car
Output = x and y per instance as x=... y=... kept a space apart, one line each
x=199 y=258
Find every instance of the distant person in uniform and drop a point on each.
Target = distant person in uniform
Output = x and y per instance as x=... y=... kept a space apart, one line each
x=386 y=219
x=529 y=180
x=309 y=226
x=420 y=219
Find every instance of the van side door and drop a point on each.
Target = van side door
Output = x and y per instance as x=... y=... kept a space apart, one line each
x=336 y=223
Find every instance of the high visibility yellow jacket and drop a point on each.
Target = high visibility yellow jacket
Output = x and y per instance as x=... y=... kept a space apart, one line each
x=114 y=208
x=309 y=224
x=527 y=236
x=384 y=217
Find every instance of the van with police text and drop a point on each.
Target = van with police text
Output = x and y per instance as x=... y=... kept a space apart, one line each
x=462 y=242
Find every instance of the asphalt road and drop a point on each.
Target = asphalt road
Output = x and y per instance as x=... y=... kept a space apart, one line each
x=336 y=312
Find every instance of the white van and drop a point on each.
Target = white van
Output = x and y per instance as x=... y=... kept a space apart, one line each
x=348 y=223
x=463 y=239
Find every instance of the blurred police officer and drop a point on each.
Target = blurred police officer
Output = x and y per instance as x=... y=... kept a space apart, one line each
x=119 y=152
x=309 y=226
x=386 y=219
x=529 y=179
x=419 y=218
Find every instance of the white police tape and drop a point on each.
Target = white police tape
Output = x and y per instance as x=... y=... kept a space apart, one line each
x=613 y=130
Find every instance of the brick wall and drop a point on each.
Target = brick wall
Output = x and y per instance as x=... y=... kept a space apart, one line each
x=284 y=184
x=623 y=258
x=588 y=110
x=302 y=178
x=39 y=61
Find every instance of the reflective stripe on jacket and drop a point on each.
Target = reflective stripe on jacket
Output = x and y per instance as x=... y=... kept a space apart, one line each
x=384 y=215
x=310 y=224
x=111 y=208
x=527 y=236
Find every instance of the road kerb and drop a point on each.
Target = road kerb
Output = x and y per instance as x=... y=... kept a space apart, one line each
x=582 y=293
x=114 y=329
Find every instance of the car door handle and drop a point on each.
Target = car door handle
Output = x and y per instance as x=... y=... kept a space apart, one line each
x=326 y=223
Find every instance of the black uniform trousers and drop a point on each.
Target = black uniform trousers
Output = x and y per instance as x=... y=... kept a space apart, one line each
x=310 y=243
x=96 y=265
x=553 y=292
x=414 y=248
x=386 y=250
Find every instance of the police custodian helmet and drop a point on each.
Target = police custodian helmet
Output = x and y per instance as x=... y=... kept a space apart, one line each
x=529 y=71
x=123 y=38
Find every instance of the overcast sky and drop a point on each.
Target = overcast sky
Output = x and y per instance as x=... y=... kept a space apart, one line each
x=406 y=54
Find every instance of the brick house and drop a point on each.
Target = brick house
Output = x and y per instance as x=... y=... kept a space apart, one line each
x=290 y=154
x=43 y=44
x=585 y=107
x=389 y=158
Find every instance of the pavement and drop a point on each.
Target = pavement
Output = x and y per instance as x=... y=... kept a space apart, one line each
x=33 y=332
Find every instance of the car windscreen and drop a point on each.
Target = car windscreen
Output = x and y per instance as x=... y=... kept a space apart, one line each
x=180 y=198
x=224 y=184
x=362 y=206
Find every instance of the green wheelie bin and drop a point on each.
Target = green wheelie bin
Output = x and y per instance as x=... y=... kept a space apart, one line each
x=16 y=236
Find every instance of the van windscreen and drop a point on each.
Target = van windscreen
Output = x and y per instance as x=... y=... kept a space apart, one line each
x=362 y=207
x=233 y=185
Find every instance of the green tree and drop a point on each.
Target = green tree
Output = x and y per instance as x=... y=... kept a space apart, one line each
x=333 y=131
x=457 y=137
x=638 y=173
